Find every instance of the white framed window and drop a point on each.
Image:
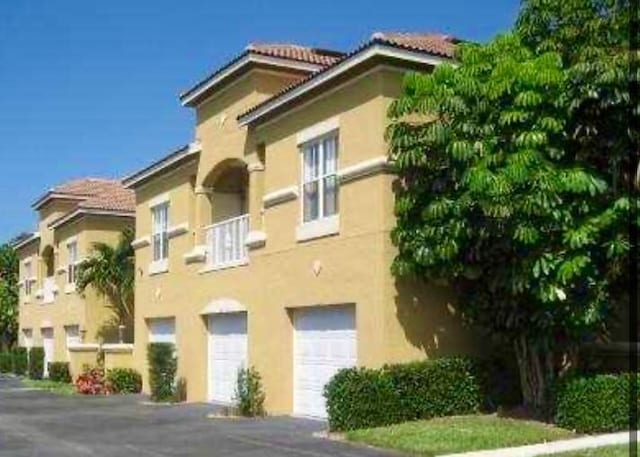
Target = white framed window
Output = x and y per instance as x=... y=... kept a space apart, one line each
x=28 y=277
x=72 y=267
x=160 y=238
x=319 y=178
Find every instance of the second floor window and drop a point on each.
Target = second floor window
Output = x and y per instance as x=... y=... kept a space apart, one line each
x=319 y=180
x=28 y=276
x=72 y=267
x=160 y=221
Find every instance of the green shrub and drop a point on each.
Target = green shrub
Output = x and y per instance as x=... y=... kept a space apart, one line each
x=363 y=398
x=162 y=370
x=20 y=361
x=59 y=372
x=249 y=393
x=435 y=388
x=36 y=362
x=594 y=404
x=6 y=362
x=124 y=380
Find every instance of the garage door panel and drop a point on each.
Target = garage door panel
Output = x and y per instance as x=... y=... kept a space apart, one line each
x=48 y=344
x=227 y=354
x=325 y=342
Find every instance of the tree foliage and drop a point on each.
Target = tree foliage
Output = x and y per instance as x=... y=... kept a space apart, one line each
x=111 y=272
x=9 y=295
x=512 y=169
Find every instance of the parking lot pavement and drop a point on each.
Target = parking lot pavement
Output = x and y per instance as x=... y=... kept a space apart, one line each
x=41 y=424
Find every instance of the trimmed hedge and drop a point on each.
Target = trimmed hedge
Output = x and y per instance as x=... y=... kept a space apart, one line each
x=59 y=372
x=162 y=370
x=595 y=403
x=363 y=398
x=124 y=380
x=6 y=362
x=36 y=362
x=20 y=361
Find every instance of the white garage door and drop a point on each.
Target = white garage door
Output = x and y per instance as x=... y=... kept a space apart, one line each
x=48 y=346
x=324 y=343
x=72 y=337
x=162 y=330
x=227 y=354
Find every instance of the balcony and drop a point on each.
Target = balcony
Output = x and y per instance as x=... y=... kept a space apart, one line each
x=49 y=290
x=225 y=243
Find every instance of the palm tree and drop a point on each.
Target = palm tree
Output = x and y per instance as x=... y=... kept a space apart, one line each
x=111 y=272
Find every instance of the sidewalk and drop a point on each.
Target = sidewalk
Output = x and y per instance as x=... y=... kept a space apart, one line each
x=553 y=447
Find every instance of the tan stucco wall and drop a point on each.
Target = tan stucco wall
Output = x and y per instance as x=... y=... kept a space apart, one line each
x=81 y=359
x=394 y=322
x=89 y=311
x=118 y=360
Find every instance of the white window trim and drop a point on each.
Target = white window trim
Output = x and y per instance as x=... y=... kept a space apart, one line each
x=328 y=134
x=159 y=200
x=280 y=196
x=177 y=230
x=28 y=278
x=319 y=228
x=141 y=242
x=158 y=266
x=72 y=242
x=317 y=130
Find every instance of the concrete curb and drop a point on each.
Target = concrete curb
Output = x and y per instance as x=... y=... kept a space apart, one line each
x=552 y=447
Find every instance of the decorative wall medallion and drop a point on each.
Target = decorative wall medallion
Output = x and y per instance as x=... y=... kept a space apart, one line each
x=317 y=267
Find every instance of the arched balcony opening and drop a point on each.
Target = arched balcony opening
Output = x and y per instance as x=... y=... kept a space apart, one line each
x=225 y=237
x=49 y=270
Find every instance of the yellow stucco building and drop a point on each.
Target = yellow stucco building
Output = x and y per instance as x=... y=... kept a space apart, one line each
x=52 y=314
x=265 y=242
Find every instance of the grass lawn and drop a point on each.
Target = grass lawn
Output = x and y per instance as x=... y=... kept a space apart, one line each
x=447 y=435
x=51 y=386
x=609 y=451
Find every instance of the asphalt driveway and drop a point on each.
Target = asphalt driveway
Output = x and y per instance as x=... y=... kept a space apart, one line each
x=39 y=424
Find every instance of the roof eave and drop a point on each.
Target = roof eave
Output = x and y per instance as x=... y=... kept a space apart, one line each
x=22 y=243
x=373 y=49
x=137 y=178
x=81 y=212
x=192 y=96
x=52 y=195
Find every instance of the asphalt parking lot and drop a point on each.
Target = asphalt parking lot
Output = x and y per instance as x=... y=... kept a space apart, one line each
x=36 y=423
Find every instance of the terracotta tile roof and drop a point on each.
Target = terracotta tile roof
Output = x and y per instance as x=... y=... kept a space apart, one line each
x=429 y=43
x=317 y=56
x=295 y=53
x=114 y=197
x=434 y=43
x=94 y=193
x=84 y=187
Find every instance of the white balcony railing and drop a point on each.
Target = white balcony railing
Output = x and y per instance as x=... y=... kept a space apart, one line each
x=49 y=289
x=225 y=242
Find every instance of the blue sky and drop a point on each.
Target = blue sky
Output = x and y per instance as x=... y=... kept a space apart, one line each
x=90 y=88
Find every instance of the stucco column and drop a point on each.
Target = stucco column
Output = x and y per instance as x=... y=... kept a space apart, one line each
x=256 y=192
x=203 y=212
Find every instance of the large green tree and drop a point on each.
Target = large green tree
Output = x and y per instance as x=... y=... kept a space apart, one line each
x=502 y=196
x=9 y=296
x=110 y=270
